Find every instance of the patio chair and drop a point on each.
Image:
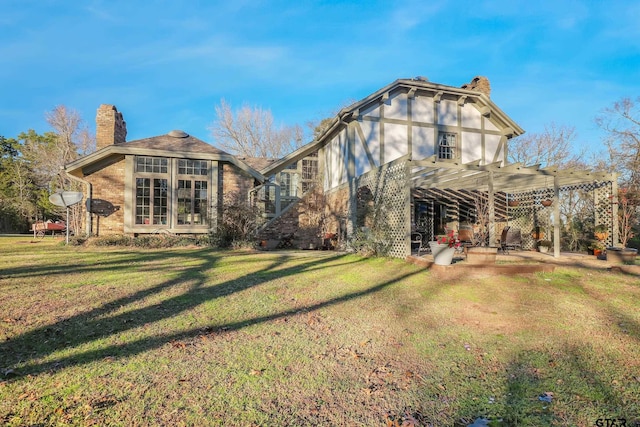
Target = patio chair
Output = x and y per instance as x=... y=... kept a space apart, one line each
x=511 y=238
x=465 y=235
x=416 y=242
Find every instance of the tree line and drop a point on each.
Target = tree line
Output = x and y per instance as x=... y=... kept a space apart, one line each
x=31 y=168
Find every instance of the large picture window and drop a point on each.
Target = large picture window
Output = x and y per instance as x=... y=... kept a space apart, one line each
x=170 y=193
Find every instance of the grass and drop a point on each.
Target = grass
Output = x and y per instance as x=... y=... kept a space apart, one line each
x=108 y=336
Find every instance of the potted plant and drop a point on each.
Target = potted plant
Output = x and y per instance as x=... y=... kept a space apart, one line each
x=597 y=246
x=444 y=247
x=628 y=201
x=544 y=245
x=480 y=252
x=600 y=232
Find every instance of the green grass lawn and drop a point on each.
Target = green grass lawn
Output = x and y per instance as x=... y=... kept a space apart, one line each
x=193 y=336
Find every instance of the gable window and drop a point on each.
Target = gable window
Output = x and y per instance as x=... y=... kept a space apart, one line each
x=447 y=146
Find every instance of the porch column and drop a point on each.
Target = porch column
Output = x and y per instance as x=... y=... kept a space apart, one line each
x=406 y=188
x=492 y=211
x=556 y=217
x=615 y=228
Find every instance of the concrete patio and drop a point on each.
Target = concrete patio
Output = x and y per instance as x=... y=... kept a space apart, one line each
x=520 y=262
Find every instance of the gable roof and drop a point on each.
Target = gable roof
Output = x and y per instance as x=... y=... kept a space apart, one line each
x=175 y=144
x=409 y=86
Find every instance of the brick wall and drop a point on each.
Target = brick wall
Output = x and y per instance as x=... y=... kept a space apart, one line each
x=235 y=180
x=309 y=219
x=336 y=209
x=108 y=184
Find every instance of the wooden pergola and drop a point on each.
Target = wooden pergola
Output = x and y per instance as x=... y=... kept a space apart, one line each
x=499 y=181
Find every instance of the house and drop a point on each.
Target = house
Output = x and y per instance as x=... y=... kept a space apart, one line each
x=412 y=157
x=173 y=182
x=420 y=156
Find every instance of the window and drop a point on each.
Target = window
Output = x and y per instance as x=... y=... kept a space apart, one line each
x=447 y=146
x=152 y=190
x=289 y=184
x=192 y=167
x=170 y=192
x=151 y=164
x=192 y=202
x=151 y=197
x=309 y=171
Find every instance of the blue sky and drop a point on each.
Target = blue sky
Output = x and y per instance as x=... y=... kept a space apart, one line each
x=167 y=64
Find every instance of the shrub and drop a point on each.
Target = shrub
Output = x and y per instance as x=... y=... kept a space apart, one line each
x=545 y=243
x=237 y=223
x=112 y=240
x=376 y=242
x=151 y=241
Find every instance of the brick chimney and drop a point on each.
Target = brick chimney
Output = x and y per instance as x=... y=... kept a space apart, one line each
x=480 y=84
x=110 y=127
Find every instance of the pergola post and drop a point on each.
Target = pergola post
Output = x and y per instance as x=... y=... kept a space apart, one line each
x=556 y=217
x=615 y=227
x=492 y=210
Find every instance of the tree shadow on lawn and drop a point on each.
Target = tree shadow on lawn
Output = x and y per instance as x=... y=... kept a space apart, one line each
x=22 y=352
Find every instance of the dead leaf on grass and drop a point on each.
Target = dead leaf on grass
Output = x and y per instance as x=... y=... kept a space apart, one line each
x=256 y=372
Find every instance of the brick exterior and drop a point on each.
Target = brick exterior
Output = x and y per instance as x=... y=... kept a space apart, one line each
x=480 y=84
x=108 y=184
x=235 y=180
x=110 y=126
x=310 y=219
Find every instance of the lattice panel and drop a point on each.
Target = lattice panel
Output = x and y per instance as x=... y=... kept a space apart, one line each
x=525 y=210
x=390 y=191
x=531 y=215
x=603 y=210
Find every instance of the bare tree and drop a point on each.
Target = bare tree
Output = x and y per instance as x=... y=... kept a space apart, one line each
x=49 y=152
x=621 y=122
x=251 y=131
x=551 y=147
x=73 y=133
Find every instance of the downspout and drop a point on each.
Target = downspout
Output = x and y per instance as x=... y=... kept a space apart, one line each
x=88 y=221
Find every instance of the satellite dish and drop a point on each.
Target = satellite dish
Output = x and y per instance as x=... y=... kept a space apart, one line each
x=64 y=199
